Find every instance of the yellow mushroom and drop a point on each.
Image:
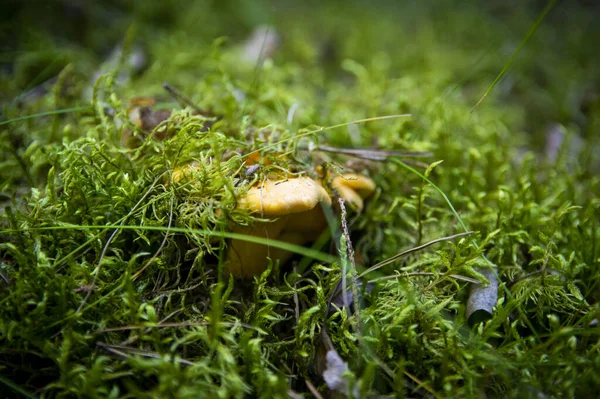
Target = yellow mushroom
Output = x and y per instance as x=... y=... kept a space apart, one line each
x=296 y=203
x=293 y=208
x=353 y=188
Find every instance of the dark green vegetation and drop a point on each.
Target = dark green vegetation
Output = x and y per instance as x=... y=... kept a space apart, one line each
x=139 y=309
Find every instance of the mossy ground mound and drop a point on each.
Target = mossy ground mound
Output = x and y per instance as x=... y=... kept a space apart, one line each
x=113 y=283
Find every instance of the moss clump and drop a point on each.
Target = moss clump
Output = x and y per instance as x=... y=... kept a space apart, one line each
x=113 y=282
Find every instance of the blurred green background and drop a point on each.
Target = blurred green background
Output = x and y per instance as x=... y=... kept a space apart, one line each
x=463 y=44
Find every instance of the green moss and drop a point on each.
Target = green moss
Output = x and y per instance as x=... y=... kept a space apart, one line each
x=113 y=283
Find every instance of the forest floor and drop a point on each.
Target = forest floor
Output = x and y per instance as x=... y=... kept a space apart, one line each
x=467 y=265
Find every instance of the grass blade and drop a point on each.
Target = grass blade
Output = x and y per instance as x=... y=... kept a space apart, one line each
x=530 y=33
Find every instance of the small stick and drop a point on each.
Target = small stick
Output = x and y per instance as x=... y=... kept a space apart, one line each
x=125 y=351
x=374 y=154
x=296 y=300
x=353 y=268
x=181 y=98
x=313 y=390
x=408 y=251
x=455 y=276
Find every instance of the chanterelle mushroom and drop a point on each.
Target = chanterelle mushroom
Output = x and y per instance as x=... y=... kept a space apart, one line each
x=296 y=203
x=353 y=188
x=294 y=206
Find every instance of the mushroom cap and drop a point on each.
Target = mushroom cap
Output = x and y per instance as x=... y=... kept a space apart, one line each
x=295 y=203
x=364 y=185
x=353 y=188
x=279 y=198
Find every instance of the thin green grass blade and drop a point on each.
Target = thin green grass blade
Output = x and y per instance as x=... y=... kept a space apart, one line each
x=528 y=36
x=56 y=112
x=309 y=252
x=15 y=388
x=439 y=190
